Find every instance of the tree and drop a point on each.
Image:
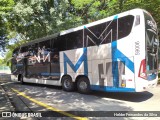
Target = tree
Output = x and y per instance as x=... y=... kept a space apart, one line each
x=38 y=18
x=5 y=8
x=27 y=20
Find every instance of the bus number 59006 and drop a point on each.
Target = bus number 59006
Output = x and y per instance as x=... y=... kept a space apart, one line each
x=137 y=48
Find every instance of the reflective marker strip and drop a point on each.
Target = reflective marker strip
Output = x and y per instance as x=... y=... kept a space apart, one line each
x=49 y=107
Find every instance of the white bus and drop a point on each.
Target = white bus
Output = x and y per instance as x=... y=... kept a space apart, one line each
x=115 y=54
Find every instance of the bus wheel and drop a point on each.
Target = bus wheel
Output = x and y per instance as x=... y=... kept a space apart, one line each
x=67 y=84
x=21 y=79
x=83 y=85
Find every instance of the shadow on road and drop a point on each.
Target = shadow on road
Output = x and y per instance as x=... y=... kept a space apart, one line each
x=126 y=96
x=40 y=85
x=85 y=105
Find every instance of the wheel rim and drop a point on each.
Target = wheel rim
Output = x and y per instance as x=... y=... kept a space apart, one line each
x=83 y=85
x=67 y=83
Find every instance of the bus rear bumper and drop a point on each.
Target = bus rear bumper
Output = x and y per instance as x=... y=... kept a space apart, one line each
x=148 y=86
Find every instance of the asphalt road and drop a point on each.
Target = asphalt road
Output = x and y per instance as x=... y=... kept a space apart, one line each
x=34 y=98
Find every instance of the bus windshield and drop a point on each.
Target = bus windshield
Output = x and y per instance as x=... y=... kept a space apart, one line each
x=152 y=43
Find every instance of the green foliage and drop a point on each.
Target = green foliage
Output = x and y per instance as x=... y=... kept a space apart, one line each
x=5 y=8
x=1 y=62
x=26 y=20
x=152 y=6
x=38 y=18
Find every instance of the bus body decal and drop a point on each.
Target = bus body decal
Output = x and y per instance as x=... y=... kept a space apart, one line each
x=116 y=54
x=98 y=40
x=115 y=72
x=75 y=67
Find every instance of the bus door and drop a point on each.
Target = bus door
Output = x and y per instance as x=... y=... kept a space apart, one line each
x=55 y=65
x=125 y=78
x=118 y=71
x=55 y=59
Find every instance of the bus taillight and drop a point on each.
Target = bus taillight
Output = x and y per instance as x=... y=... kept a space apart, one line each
x=142 y=69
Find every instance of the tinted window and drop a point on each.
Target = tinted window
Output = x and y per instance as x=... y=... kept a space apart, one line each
x=46 y=45
x=72 y=40
x=125 y=26
x=107 y=32
x=23 y=51
x=15 y=52
x=151 y=38
x=58 y=44
x=98 y=34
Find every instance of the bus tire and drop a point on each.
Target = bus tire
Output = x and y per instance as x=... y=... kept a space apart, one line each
x=83 y=85
x=21 y=79
x=67 y=84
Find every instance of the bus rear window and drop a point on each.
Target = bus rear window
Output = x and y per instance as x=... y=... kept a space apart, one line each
x=151 y=39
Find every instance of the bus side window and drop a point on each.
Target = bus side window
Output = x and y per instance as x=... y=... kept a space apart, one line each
x=124 y=26
x=24 y=51
x=55 y=57
x=15 y=53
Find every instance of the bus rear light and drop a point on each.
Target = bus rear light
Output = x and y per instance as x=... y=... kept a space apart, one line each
x=142 y=69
